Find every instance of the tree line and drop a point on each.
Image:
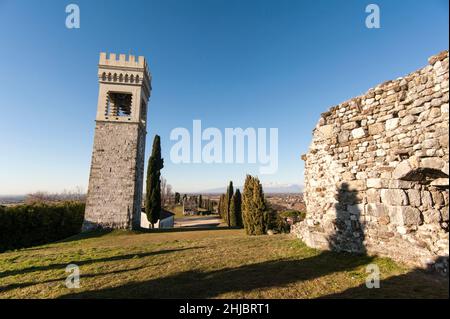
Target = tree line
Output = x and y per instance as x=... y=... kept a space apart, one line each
x=230 y=207
x=198 y=200
x=249 y=210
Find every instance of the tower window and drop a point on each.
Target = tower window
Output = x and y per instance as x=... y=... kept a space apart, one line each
x=118 y=104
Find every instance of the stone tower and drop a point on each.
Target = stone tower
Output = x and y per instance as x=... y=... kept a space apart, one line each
x=116 y=178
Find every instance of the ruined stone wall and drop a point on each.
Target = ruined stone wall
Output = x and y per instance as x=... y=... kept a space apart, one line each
x=376 y=173
x=116 y=177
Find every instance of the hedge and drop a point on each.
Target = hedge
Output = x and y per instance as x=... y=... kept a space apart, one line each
x=29 y=225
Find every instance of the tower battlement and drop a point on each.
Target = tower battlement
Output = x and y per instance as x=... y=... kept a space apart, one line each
x=122 y=60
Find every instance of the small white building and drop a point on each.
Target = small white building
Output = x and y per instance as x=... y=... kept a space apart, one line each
x=166 y=220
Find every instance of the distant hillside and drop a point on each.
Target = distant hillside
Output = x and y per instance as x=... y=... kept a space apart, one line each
x=10 y=199
x=268 y=189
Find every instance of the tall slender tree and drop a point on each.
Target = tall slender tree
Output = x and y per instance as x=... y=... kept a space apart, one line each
x=247 y=204
x=228 y=197
x=238 y=207
x=260 y=214
x=210 y=205
x=220 y=206
x=256 y=216
x=235 y=210
x=153 y=183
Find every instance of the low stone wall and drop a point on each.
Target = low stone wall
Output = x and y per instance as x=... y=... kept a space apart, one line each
x=376 y=173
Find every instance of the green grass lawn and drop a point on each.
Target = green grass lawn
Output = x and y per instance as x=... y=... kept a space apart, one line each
x=175 y=209
x=178 y=211
x=219 y=263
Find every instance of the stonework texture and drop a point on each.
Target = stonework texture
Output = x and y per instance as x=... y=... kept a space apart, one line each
x=114 y=197
x=116 y=178
x=376 y=172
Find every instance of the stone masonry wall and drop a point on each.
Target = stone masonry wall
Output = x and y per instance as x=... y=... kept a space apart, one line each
x=115 y=182
x=376 y=173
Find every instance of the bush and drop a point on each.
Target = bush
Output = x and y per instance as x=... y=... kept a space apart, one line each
x=36 y=224
x=294 y=214
x=282 y=223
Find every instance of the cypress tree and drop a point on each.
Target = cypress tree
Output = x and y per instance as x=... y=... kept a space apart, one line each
x=254 y=207
x=200 y=201
x=211 y=205
x=247 y=205
x=260 y=212
x=238 y=207
x=221 y=206
x=153 y=183
x=228 y=197
x=232 y=221
x=235 y=210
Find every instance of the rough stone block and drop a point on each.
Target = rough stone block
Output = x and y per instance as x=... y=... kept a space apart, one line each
x=431 y=216
x=405 y=215
x=432 y=162
x=349 y=126
x=376 y=210
x=325 y=131
x=374 y=183
x=373 y=196
x=444 y=214
x=402 y=170
x=414 y=197
x=376 y=128
x=392 y=124
x=408 y=120
x=438 y=199
x=426 y=199
x=358 y=133
x=398 y=183
x=394 y=197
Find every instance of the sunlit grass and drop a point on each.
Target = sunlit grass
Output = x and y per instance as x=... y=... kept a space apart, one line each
x=220 y=263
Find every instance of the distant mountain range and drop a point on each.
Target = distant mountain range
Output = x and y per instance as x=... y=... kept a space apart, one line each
x=270 y=188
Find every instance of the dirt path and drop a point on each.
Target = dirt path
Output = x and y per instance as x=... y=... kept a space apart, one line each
x=198 y=221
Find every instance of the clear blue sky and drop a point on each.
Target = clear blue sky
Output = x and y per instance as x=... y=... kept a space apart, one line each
x=233 y=63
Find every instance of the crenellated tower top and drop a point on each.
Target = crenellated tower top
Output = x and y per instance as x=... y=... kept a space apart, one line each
x=123 y=61
x=125 y=87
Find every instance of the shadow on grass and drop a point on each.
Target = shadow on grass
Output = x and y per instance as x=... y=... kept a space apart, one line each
x=281 y=273
x=86 y=235
x=417 y=283
x=61 y=279
x=197 y=284
x=77 y=237
x=88 y=261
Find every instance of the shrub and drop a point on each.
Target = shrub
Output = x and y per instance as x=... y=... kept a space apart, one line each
x=282 y=224
x=294 y=214
x=36 y=224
